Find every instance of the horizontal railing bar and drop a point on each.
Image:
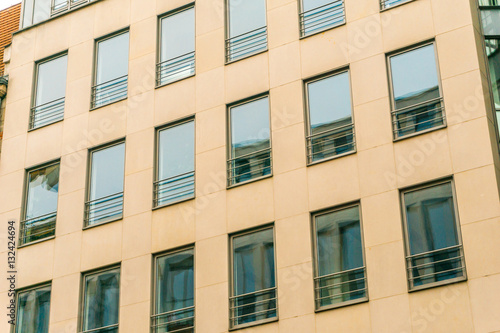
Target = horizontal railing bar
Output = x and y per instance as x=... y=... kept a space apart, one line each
x=55 y=101
x=434 y=251
x=404 y=128
x=50 y=224
x=254 y=293
x=165 y=188
x=338 y=273
x=340 y=294
x=174 y=321
x=187 y=174
x=250 y=304
x=330 y=137
x=101 y=94
x=327 y=13
x=112 y=80
x=180 y=193
x=172 y=311
x=237 y=51
x=332 y=148
x=174 y=72
x=39 y=217
x=328 y=4
x=38 y=232
x=252 y=314
x=330 y=130
x=179 y=330
x=102 y=213
x=339 y=284
x=436 y=273
x=117 y=195
x=256 y=38
x=245 y=33
x=249 y=172
x=410 y=115
x=435 y=262
x=319 y=23
x=431 y=101
x=187 y=55
x=47 y=113
x=251 y=161
x=100 y=328
x=252 y=153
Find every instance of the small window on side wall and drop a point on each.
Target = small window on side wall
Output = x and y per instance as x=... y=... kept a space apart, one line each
x=340 y=273
x=111 y=70
x=33 y=309
x=176 y=59
x=433 y=241
x=329 y=117
x=50 y=92
x=417 y=101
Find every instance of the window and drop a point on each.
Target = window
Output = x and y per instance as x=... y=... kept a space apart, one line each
x=36 y=11
x=329 y=114
x=433 y=242
x=384 y=4
x=40 y=204
x=105 y=188
x=50 y=92
x=246 y=28
x=111 y=70
x=33 y=309
x=175 y=163
x=174 y=292
x=253 y=290
x=250 y=141
x=340 y=274
x=417 y=100
x=101 y=298
x=320 y=15
x=177 y=46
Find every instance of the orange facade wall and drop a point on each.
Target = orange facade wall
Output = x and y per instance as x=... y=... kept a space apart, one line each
x=9 y=22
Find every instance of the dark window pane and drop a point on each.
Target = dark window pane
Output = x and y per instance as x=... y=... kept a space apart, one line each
x=33 y=309
x=175 y=292
x=101 y=300
x=491 y=21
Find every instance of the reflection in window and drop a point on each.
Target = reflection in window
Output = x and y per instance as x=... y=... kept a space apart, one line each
x=391 y=3
x=433 y=241
x=101 y=296
x=40 y=209
x=340 y=271
x=331 y=129
x=177 y=50
x=254 y=296
x=33 y=309
x=111 y=70
x=50 y=92
x=247 y=28
x=174 y=296
x=105 y=194
x=493 y=53
x=175 y=169
x=417 y=101
x=250 y=141
x=320 y=15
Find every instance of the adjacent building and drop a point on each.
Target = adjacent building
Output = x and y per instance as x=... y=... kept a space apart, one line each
x=252 y=165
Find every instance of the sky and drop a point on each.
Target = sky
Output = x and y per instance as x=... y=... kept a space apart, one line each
x=7 y=3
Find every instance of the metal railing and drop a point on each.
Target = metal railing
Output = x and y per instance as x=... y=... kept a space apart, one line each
x=59 y=7
x=437 y=265
x=173 y=189
x=249 y=166
x=255 y=306
x=246 y=44
x=322 y=17
x=176 y=321
x=47 y=113
x=340 y=287
x=104 y=209
x=175 y=69
x=110 y=91
x=105 y=329
x=37 y=228
x=418 y=117
x=329 y=143
x=390 y=3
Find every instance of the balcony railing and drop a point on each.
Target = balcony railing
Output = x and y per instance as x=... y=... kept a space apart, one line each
x=330 y=143
x=249 y=166
x=104 y=209
x=418 y=117
x=322 y=18
x=176 y=321
x=173 y=189
x=175 y=69
x=47 y=113
x=391 y=3
x=106 y=329
x=109 y=92
x=435 y=266
x=251 y=307
x=337 y=288
x=61 y=6
x=246 y=44
x=37 y=228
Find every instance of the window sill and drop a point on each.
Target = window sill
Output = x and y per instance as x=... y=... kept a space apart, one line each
x=332 y=158
x=102 y=223
x=253 y=324
x=36 y=242
x=172 y=82
x=341 y=305
x=323 y=30
x=107 y=104
x=395 y=6
x=401 y=138
x=173 y=203
x=439 y=283
x=39 y=127
x=245 y=57
x=228 y=187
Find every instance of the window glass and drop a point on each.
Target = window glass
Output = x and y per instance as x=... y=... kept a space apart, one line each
x=433 y=240
x=107 y=171
x=101 y=300
x=175 y=292
x=250 y=140
x=28 y=13
x=112 y=58
x=51 y=80
x=493 y=53
x=253 y=277
x=41 y=10
x=42 y=192
x=245 y=16
x=491 y=21
x=340 y=265
x=33 y=309
x=177 y=34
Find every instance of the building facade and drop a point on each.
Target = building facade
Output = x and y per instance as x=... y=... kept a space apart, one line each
x=252 y=165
